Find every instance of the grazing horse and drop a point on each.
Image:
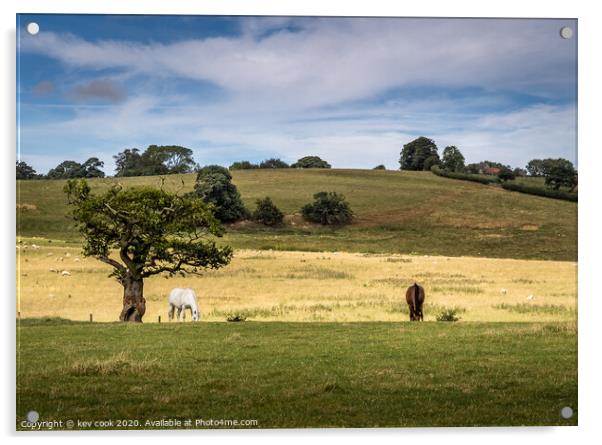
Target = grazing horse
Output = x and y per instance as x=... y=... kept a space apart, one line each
x=415 y=299
x=183 y=299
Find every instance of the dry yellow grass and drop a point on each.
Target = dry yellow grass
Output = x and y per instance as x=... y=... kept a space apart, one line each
x=306 y=286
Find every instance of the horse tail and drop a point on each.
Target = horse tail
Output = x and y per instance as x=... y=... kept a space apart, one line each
x=416 y=298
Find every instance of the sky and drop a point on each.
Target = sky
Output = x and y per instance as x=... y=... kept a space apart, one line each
x=350 y=90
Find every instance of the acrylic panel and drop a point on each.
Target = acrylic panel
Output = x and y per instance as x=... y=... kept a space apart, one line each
x=295 y=222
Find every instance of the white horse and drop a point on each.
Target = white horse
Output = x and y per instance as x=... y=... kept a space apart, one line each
x=183 y=299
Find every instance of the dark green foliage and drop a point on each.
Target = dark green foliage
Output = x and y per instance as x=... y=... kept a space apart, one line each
x=540 y=191
x=452 y=159
x=473 y=168
x=559 y=173
x=505 y=174
x=273 y=163
x=92 y=168
x=328 y=208
x=155 y=160
x=242 y=165
x=267 y=213
x=535 y=167
x=464 y=176
x=310 y=162
x=431 y=161
x=380 y=167
x=415 y=153
x=214 y=186
x=73 y=170
x=25 y=171
x=154 y=231
x=518 y=172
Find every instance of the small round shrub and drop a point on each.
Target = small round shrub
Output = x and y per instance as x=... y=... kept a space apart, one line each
x=380 y=167
x=267 y=213
x=328 y=208
x=236 y=317
x=449 y=314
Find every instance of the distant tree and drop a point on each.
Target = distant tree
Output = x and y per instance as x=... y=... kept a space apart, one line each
x=243 y=165
x=414 y=154
x=66 y=170
x=92 y=169
x=535 y=167
x=273 y=163
x=380 y=167
x=174 y=158
x=473 y=169
x=328 y=208
x=214 y=186
x=152 y=231
x=505 y=174
x=25 y=171
x=519 y=172
x=452 y=159
x=559 y=173
x=155 y=160
x=311 y=162
x=267 y=213
x=129 y=163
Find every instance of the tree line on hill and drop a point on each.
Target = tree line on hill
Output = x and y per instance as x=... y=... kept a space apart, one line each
x=422 y=154
x=155 y=160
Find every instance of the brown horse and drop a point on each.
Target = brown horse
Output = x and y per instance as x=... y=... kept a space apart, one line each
x=415 y=299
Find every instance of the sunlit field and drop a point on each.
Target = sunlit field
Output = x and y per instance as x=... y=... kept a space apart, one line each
x=306 y=286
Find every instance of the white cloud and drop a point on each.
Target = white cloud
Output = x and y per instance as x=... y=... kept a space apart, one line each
x=333 y=60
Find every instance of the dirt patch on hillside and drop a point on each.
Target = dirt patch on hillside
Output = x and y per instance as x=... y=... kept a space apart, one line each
x=25 y=206
x=530 y=227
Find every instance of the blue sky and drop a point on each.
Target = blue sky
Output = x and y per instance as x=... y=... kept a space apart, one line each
x=351 y=90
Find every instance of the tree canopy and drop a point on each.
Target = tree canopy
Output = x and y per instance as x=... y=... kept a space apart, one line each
x=25 y=171
x=151 y=230
x=243 y=165
x=214 y=186
x=155 y=160
x=414 y=154
x=273 y=163
x=71 y=170
x=559 y=173
x=311 y=162
x=452 y=159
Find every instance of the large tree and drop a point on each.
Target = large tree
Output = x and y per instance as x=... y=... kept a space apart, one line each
x=214 y=186
x=311 y=162
x=559 y=173
x=452 y=159
x=415 y=153
x=25 y=171
x=535 y=167
x=155 y=160
x=92 y=168
x=273 y=163
x=145 y=231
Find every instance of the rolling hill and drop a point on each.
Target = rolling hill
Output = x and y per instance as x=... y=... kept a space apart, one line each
x=396 y=212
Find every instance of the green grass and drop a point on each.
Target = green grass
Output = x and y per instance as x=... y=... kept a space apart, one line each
x=396 y=212
x=300 y=374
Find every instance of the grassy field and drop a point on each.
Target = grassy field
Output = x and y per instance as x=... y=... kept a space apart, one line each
x=307 y=286
x=326 y=342
x=300 y=374
x=396 y=212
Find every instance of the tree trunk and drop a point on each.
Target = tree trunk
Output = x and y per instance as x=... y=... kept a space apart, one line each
x=134 y=304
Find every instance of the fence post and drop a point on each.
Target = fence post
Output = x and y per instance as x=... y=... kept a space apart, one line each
x=159 y=319
x=90 y=318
